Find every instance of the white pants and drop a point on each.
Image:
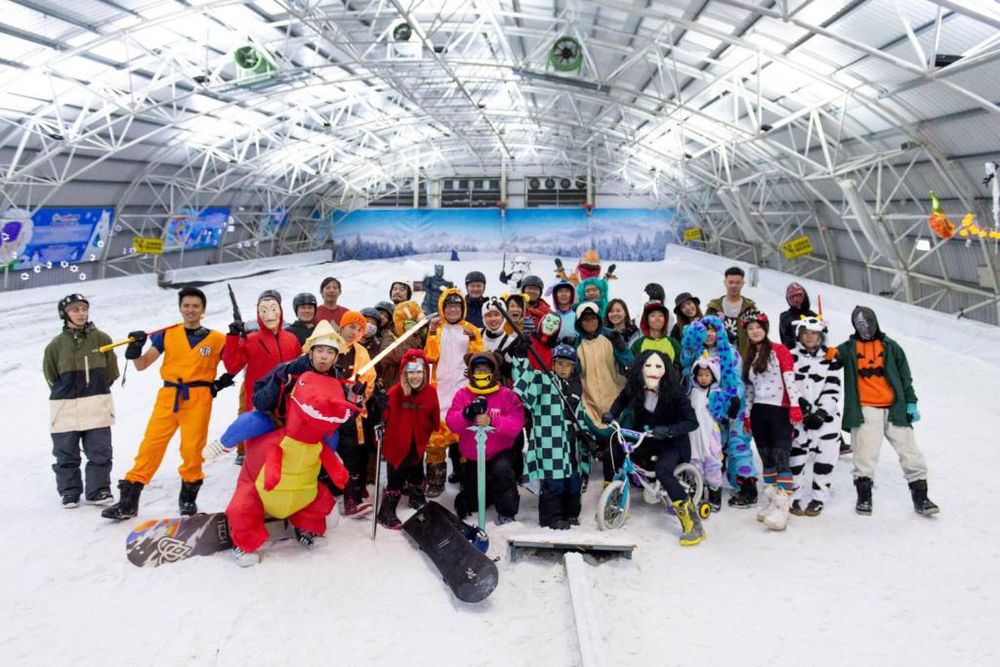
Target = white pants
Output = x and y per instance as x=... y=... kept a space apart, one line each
x=867 y=441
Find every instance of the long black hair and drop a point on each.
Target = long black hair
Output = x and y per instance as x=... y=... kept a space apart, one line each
x=635 y=386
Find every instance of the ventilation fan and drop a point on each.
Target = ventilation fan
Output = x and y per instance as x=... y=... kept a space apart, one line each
x=550 y=184
x=564 y=184
x=566 y=54
x=534 y=184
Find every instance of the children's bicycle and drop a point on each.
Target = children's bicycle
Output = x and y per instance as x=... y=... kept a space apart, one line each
x=613 y=507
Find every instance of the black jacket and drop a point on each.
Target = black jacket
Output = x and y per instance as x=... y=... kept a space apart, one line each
x=785 y=328
x=673 y=411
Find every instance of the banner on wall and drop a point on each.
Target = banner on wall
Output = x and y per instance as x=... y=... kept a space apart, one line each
x=271 y=223
x=617 y=234
x=53 y=235
x=195 y=230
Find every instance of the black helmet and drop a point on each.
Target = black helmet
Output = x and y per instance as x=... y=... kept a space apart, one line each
x=475 y=277
x=65 y=302
x=372 y=313
x=529 y=281
x=303 y=299
x=387 y=307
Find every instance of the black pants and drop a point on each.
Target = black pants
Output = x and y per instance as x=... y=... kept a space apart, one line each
x=501 y=486
x=559 y=499
x=772 y=431
x=355 y=459
x=96 y=444
x=669 y=454
x=410 y=471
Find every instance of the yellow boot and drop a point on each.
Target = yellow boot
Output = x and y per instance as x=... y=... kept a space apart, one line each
x=692 y=531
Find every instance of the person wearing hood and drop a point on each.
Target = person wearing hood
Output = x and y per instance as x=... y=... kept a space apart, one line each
x=603 y=358
x=687 y=309
x=354 y=447
x=879 y=402
x=449 y=340
x=304 y=307
x=475 y=297
x=80 y=404
x=484 y=402
x=411 y=415
x=618 y=319
x=727 y=403
x=594 y=290
x=654 y=400
x=706 y=440
x=798 y=307
x=563 y=300
x=654 y=325
x=541 y=341
x=494 y=332
x=400 y=292
x=816 y=446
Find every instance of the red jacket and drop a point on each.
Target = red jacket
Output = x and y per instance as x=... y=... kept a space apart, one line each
x=409 y=419
x=259 y=353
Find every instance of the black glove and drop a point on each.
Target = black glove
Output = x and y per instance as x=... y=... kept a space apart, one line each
x=134 y=349
x=607 y=418
x=611 y=270
x=223 y=381
x=559 y=264
x=238 y=329
x=504 y=277
x=662 y=433
x=814 y=420
x=734 y=407
x=519 y=346
x=382 y=400
x=618 y=341
x=474 y=409
x=589 y=442
x=358 y=389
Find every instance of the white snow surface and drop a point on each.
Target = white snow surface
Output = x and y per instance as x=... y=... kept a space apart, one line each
x=893 y=588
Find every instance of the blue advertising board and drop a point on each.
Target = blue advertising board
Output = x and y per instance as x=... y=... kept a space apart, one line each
x=195 y=230
x=56 y=234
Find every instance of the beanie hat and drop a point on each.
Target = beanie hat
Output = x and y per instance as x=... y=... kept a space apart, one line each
x=353 y=317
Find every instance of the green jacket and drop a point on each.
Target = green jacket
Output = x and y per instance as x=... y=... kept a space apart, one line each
x=714 y=307
x=80 y=379
x=897 y=373
x=667 y=345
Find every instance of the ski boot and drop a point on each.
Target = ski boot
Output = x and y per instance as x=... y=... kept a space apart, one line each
x=692 y=531
x=128 y=501
x=416 y=496
x=770 y=492
x=70 y=500
x=387 y=512
x=921 y=503
x=715 y=499
x=244 y=559
x=436 y=473
x=747 y=494
x=864 y=488
x=101 y=497
x=777 y=518
x=189 y=493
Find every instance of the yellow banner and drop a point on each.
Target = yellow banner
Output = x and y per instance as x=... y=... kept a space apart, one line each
x=797 y=247
x=147 y=246
x=692 y=234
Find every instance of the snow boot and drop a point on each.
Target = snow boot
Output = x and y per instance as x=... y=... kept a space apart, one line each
x=715 y=499
x=550 y=512
x=416 y=495
x=864 y=488
x=70 y=500
x=436 y=473
x=244 y=559
x=354 y=507
x=101 y=497
x=691 y=530
x=796 y=508
x=387 y=512
x=770 y=492
x=571 y=506
x=747 y=494
x=814 y=508
x=189 y=493
x=921 y=503
x=128 y=501
x=777 y=518
x=503 y=519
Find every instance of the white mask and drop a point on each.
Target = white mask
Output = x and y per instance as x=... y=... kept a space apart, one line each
x=370 y=330
x=653 y=371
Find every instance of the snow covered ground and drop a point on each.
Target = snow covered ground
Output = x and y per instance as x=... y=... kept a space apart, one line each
x=893 y=588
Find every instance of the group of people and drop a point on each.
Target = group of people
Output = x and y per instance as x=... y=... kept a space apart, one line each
x=533 y=381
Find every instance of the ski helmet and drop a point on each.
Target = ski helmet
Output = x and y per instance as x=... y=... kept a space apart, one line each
x=66 y=301
x=303 y=299
x=564 y=351
x=475 y=277
x=531 y=281
x=372 y=313
x=387 y=307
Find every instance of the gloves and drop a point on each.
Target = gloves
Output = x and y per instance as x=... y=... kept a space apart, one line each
x=237 y=328
x=214 y=450
x=912 y=413
x=519 y=346
x=474 y=409
x=611 y=270
x=662 y=433
x=795 y=415
x=813 y=420
x=589 y=443
x=559 y=265
x=504 y=277
x=382 y=401
x=358 y=388
x=607 y=418
x=223 y=381
x=134 y=349
x=618 y=341
x=734 y=407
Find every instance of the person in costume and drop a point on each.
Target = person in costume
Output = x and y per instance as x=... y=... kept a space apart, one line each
x=653 y=324
x=588 y=267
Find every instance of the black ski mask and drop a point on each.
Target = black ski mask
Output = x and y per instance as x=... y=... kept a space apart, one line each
x=865 y=323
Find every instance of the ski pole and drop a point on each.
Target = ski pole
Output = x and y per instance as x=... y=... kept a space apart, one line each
x=110 y=346
x=379 y=432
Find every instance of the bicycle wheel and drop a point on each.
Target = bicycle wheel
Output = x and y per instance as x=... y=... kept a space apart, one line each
x=692 y=481
x=612 y=509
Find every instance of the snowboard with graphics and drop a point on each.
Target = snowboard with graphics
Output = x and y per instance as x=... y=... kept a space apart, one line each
x=468 y=572
x=162 y=541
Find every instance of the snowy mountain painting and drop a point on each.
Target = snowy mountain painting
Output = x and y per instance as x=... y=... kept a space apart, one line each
x=617 y=234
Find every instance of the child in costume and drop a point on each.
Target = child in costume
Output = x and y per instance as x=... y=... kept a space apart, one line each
x=653 y=324
x=706 y=440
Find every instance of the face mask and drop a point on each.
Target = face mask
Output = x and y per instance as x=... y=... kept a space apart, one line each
x=864 y=324
x=550 y=324
x=482 y=379
x=269 y=312
x=370 y=330
x=652 y=371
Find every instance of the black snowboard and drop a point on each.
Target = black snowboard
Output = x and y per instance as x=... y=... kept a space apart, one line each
x=469 y=573
x=163 y=541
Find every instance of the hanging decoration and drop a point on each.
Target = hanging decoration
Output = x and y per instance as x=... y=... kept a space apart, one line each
x=939 y=223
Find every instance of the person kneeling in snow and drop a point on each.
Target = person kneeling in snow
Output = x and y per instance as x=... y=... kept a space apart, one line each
x=486 y=403
x=287 y=485
x=653 y=400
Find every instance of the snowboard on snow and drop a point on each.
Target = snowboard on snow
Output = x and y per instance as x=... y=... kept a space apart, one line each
x=160 y=541
x=440 y=534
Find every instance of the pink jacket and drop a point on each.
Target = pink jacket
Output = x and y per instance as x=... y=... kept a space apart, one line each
x=506 y=417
